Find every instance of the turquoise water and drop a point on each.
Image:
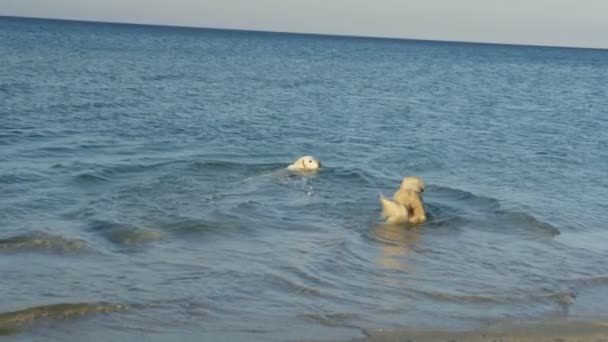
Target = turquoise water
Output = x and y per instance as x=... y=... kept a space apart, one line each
x=144 y=166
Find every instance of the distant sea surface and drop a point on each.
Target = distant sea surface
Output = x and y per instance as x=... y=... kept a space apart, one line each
x=144 y=196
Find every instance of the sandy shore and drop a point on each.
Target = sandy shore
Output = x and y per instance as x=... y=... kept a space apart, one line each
x=544 y=331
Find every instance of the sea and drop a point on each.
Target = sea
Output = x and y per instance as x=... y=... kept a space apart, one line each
x=144 y=194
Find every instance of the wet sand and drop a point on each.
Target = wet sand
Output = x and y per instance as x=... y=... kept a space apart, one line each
x=543 y=331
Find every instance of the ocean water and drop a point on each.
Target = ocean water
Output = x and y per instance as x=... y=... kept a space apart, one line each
x=144 y=196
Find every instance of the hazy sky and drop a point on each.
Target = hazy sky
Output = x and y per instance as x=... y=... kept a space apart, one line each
x=544 y=22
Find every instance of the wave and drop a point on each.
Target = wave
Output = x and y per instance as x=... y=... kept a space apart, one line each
x=125 y=234
x=586 y=282
x=527 y=222
x=21 y=178
x=57 y=149
x=593 y=281
x=194 y=226
x=40 y=241
x=353 y=175
x=463 y=298
x=559 y=297
x=14 y=321
x=96 y=173
x=333 y=320
x=220 y=165
x=90 y=179
x=551 y=329
x=163 y=77
x=447 y=206
x=293 y=287
x=89 y=105
x=460 y=200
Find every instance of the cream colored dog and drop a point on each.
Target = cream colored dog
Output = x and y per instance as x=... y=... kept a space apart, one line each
x=406 y=206
x=306 y=163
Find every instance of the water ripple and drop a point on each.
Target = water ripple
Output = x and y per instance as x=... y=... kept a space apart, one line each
x=141 y=141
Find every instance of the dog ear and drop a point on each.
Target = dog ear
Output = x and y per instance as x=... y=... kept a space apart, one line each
x=302 y=163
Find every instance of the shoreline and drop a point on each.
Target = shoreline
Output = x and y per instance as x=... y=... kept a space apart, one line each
x=555 y=330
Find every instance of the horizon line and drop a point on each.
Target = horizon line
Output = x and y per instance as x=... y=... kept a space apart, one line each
x=328 y=35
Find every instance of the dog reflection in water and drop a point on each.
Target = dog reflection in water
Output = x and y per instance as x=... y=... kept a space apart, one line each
x=396 y=244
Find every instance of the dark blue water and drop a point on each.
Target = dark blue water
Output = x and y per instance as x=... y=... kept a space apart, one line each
x=144 y=166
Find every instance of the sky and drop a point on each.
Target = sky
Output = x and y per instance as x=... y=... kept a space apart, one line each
x=576 y=23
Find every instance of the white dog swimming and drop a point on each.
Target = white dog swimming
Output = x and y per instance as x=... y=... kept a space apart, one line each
x=407 y=205
x=306 y=163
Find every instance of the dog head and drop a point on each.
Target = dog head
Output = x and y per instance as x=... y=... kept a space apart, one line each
x=306 y=163
x=413 y=183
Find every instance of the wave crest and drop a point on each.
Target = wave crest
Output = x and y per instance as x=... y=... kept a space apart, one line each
x=14 y=321
x=125 y=234
x=40 y=241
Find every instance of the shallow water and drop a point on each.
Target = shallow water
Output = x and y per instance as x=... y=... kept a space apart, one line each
x=144 y=166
